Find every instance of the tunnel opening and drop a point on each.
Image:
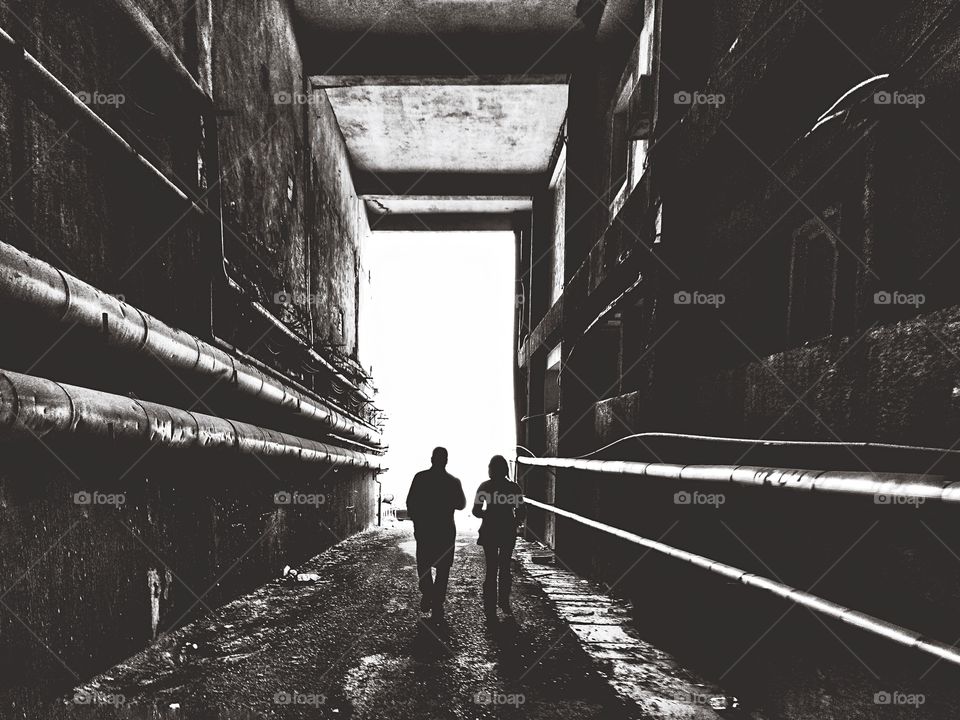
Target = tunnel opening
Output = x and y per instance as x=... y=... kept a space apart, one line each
x=438 y=328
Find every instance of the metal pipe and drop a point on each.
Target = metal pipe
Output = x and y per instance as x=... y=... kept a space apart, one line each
x=32 y=406
x=900 y=635
x=137 y=22
x=906 y=485
x=29 y=283
x=761 y=442
x=274 y=321
x=11 y=50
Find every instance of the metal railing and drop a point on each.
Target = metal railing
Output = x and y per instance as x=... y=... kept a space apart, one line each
x=875 y=626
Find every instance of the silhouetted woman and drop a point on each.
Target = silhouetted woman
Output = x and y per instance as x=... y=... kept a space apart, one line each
x=499 y=501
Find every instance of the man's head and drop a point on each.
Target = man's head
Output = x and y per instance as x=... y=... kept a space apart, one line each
x=439 y=458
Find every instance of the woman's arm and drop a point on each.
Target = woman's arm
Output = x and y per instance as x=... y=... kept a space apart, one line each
x=478 y=510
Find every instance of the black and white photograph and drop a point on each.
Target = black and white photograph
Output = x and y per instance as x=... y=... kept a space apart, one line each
x=480 y=359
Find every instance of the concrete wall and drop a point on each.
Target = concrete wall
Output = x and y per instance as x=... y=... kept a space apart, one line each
x=85 y=586
x=802 y=353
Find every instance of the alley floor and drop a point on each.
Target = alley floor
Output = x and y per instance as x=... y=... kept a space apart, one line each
x=352 y=644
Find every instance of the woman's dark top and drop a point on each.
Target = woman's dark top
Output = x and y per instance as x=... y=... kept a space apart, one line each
x=500 y=504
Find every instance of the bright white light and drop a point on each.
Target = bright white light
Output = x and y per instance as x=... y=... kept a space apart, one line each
x=438 y=333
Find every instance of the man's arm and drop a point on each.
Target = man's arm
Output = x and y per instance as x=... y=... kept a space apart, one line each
x=413 y=498
x=459 y=499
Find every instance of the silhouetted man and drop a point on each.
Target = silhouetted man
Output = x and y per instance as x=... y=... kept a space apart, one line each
x=434 y=496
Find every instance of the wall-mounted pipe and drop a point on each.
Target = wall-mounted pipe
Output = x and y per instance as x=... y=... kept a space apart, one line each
x=906 y=485
x=136 y=22
x=29 y=283
x=890 y=631
x=31 y=406
x=14 y=56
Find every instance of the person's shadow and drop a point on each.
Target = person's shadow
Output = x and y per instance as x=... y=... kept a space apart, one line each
x=505 y=635
x=432 y=641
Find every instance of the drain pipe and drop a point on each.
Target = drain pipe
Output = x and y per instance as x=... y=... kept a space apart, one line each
x=32 y=406
x=905 y=485
x=900 y=635
x=28 y=283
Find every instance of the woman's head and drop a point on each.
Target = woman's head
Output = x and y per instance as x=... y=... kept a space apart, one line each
x=498 y=468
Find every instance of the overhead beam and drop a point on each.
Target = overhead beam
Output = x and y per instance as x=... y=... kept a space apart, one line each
x=448 y=184
x=456 y=55
x=444 y=222
x=320 y=82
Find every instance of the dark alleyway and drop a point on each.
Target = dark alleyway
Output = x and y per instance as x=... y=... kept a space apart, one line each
x=351 y=646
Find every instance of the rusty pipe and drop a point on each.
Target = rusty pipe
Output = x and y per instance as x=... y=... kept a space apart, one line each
x=29 y=283
x=875 y=626
x=889 y=485
x=32 y=406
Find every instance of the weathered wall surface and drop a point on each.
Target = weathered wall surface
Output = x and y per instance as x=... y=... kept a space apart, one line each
x=798 y=232
x=84 y=586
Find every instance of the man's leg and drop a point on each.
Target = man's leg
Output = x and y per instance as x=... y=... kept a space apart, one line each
x=440 y=589
x=504 y=555
x=490 y=579
x=443 y=565
x=425 y=575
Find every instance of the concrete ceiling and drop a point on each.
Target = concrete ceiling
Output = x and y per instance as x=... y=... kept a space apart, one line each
x=443 y=17
x=488 y=129
x=451 y=109
x=429 y=204
x=444 y=37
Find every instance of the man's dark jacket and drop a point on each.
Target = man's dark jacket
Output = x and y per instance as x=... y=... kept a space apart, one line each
x=434 y=496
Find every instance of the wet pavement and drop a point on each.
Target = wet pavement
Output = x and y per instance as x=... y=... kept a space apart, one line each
x=353 y=644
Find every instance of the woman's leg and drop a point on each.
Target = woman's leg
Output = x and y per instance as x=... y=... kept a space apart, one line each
x=490 y=579
x=505 y=554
